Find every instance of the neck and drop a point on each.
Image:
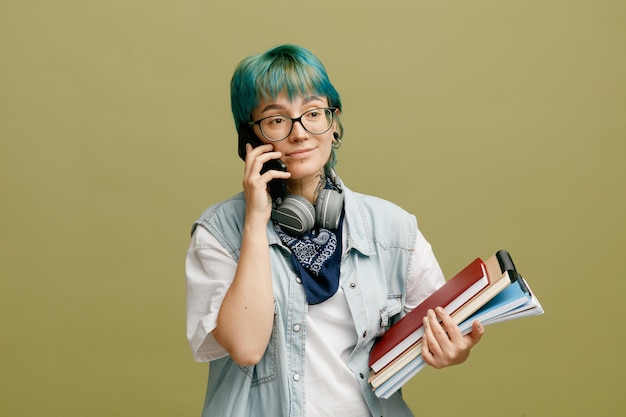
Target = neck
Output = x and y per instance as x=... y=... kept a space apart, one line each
x=308 y=187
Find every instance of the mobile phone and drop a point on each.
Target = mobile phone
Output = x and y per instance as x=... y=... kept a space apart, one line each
x=278 y=186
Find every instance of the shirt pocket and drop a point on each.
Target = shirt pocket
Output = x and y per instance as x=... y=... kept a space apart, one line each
x=267 y=368
x=390 y=310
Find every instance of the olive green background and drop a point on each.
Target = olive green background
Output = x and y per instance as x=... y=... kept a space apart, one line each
x=500 y=124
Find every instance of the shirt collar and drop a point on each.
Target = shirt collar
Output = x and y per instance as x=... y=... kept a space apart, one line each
x=357 y=224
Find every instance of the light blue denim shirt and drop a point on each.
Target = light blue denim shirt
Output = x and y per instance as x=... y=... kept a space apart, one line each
x=374 y=267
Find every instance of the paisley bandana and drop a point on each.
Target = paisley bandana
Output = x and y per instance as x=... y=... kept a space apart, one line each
x=316 y=256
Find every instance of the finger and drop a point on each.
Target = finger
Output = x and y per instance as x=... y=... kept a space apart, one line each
x=426 y=353
x=252 y=153
x=273 y=174
x=452 y=330
x=432 y=333
x=256 y=157
x=258 y=149
x=260 y=161
x=439 y=331
x=431 y=349
x=478 y=330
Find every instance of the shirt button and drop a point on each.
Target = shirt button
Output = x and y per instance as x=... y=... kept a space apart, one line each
x=364 y=334
x=353 y=285
x=299 y=280
x=296 y=327
x=296 y=377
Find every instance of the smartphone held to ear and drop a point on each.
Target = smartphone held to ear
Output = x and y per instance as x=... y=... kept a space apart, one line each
x=278 y=186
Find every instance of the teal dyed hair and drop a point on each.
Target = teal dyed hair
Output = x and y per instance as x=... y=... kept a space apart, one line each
x=288 y=68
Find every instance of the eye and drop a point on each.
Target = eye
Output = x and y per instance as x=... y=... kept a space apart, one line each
x=313 y=114
x=276 y=120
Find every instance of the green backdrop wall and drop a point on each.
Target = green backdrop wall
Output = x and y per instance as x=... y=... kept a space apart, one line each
x=500 y=124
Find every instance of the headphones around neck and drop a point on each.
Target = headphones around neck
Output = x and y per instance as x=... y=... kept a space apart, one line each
x=296 y=215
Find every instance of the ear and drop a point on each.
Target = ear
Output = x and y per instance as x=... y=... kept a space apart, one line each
x=338 y=127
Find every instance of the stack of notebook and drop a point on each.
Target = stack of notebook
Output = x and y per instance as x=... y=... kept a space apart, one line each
x=491 y=291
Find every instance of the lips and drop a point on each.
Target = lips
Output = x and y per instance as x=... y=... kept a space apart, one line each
x=300 y=153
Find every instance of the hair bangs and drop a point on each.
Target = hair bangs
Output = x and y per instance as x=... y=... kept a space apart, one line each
x=285 y=75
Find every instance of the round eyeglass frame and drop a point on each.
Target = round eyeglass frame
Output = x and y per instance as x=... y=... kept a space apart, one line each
x=297 y=119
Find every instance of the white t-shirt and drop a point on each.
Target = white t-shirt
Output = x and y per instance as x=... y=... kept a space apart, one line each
x=330 y=331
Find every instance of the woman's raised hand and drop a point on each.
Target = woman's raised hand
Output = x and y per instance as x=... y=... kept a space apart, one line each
x=255 y=184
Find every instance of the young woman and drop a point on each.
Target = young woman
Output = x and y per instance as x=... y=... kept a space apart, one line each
x=287 y=291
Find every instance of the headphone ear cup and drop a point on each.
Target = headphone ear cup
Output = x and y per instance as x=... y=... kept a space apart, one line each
x=328 y=209
x=296 y=215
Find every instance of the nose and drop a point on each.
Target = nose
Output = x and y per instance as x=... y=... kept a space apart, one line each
x=298 y=132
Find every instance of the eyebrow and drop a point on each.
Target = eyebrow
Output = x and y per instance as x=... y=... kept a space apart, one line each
x=276 y=106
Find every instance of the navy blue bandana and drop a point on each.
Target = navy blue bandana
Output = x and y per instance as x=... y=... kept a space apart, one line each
x=316 y=257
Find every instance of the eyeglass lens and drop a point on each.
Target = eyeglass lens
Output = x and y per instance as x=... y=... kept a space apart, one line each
x=316 y=121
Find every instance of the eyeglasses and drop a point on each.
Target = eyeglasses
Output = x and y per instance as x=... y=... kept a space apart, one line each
x=279 y=127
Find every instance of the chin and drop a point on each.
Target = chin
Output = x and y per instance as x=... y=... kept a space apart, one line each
x=302 y=169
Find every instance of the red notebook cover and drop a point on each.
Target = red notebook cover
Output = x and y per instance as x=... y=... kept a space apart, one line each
x=470 y=276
